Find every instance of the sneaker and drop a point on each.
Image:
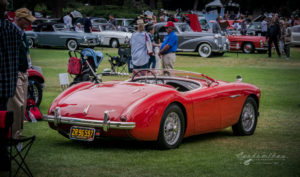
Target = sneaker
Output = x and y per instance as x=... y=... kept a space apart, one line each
x=287 y=58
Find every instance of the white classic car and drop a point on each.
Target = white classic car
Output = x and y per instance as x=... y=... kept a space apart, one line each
x=295 y=38
x=110 y=36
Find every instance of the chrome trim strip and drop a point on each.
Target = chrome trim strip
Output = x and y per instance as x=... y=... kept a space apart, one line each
x=57 y=120
x=234 y=96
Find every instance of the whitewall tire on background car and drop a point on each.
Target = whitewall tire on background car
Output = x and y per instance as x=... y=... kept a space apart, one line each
x=172 y=127
x=72 y=44
x=30 y=42
x=114 y=43
x=248 y=118
x=204 y=50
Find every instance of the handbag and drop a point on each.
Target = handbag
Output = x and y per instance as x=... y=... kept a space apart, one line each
x=149 y=45
x=74 y=66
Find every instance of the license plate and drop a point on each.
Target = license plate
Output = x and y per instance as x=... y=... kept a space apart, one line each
x=82 y=133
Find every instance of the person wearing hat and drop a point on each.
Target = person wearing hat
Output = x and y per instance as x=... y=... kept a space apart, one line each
x=9 y=60
x=169 y=47
x=17 y=103
x=139 y=51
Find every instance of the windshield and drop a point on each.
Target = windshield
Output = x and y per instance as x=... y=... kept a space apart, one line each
x=107 y=27
x=99 y=20
x=128 y=22
x=60 y=27
x=184 y=27
x=255 y=26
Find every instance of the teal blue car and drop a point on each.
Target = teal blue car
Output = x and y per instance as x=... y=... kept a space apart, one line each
x=57 y=35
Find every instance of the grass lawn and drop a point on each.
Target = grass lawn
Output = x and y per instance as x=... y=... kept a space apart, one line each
x=274 y=149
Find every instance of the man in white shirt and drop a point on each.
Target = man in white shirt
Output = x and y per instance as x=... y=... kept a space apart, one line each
x=264 y=26
x=68 y=20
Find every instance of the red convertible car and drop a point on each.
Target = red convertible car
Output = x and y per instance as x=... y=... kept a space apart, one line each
x=248 y=44
x=155 y=105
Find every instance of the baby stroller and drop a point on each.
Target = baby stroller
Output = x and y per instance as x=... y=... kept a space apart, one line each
x=85 y=67
x=121 y=62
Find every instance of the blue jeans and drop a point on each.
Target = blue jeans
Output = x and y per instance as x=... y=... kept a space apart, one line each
x=152 y=61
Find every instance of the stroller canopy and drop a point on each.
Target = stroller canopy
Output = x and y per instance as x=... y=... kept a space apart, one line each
x=97 y=55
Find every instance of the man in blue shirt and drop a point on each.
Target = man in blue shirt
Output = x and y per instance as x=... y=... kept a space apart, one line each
x=169 y=47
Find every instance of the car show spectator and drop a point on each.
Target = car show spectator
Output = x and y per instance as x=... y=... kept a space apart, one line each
x=264 y=26
x=78 y=27
x=9 y=60
x=272 y=36
x=87 y=24
x=68 y=20
x=169 y=47
x=139 y=52
x=17 y=104
x=287 y=40
x=112 y=20
x=152 y=60
x=282 y=36
x=216 y=28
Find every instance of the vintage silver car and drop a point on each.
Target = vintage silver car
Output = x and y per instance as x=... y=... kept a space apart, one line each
x=295 y=37
x=205 y=43
x=110 y=36
x=57 y=35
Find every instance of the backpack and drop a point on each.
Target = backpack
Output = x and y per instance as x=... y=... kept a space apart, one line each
x=32 y=112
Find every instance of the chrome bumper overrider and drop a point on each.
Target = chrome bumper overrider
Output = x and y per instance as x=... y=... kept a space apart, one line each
x=105 y=124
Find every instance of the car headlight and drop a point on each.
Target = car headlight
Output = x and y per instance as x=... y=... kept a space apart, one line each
x=85 y=39
x=216 y=41
x=261 y=43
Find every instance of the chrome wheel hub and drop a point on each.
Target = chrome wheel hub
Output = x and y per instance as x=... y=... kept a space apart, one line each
x=172 y=128
x=248 y=117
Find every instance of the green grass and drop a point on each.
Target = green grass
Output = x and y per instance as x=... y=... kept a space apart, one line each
x=213 y=154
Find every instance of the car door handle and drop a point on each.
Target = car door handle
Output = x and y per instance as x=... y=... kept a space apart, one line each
x=234 y=96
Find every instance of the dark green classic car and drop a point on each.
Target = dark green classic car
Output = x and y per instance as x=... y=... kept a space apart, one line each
x=57 y=35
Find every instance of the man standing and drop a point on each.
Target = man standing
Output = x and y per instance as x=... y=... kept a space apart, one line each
x=273 y=34
x=264 y=26
x=68 y=20
x=87 y=24
x=169 y=47
x=112 y=20
x=9 y=61
x=17 y=104
x=139 y=53
x=216 y=28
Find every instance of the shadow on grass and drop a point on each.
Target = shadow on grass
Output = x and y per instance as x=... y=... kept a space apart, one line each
x=131 y=144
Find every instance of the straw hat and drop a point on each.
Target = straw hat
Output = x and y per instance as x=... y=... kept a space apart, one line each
x=25 y=13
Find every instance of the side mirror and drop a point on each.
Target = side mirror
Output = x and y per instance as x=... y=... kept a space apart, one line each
x=238 y=78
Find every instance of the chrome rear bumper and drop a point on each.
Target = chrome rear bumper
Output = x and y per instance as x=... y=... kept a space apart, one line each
x=105 y=124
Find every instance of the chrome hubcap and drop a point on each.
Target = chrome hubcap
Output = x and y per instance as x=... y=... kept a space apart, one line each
x=205 y=50
x=172 y=128
x=114 y=44
x=248 y=117
x=72 y=45
x=248 y=48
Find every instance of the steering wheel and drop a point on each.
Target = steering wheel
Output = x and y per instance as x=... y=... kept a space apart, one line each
x=145 y=78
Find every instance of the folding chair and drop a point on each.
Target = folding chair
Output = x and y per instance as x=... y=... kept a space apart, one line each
x=16 y=155
x=19 y=156
x=119 y=63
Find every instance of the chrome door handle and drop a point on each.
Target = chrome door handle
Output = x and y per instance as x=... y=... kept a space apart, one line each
x=234 y=96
